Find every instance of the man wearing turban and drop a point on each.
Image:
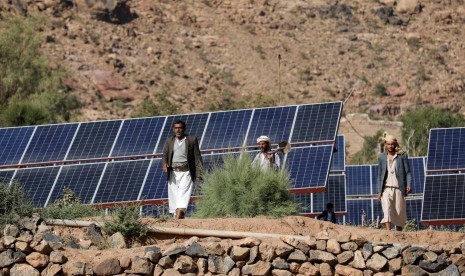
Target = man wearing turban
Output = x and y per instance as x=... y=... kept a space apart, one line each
x=394 y=183
x=264 y=159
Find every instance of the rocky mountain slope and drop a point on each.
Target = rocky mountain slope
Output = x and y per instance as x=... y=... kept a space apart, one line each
x=200 y=55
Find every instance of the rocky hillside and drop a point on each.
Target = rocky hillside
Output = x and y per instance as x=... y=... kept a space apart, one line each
x=201 y=55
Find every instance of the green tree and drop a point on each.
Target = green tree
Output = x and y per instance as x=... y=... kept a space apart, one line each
x=417 y=124
x=240 y=190
x=368 y=153
x=31 y=90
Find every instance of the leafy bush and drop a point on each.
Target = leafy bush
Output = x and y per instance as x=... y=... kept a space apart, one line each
x=126 y=220
x=68 y=207
x=238 y=189
x=417 y=124
x=380 y=90
x=31 y=91
x=368 y=153
x=13 y=204
x=410 y=226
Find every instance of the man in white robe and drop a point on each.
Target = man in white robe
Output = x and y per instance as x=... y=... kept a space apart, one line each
x=265 y=159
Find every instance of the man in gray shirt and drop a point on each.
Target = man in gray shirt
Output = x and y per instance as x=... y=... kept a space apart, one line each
x=183 y=164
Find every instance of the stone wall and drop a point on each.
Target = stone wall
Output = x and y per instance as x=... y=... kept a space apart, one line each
x=35 y=250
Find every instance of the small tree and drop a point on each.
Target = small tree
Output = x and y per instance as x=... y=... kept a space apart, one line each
x=13 y=204
x=126 y=220
x=238 y=189
x=417 y=124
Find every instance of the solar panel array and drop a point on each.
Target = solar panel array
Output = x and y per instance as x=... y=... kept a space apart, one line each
x=94 y=159
x=444 y=188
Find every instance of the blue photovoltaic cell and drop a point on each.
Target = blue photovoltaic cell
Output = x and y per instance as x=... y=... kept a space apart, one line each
x=275 y=123
x=317 y=122
x=377 y=210
x=138 y=136
x=374 y=179
x=156 y=186
x=445 y=149
x=226 y=129
x=417 y=169
x=414 y=210
x=94 y=140
x=81 y=179
x=304 y=201
x=358 y=180
x=309 y=166
x=5 y=176
x=122 y=181
x=50 y=143
x=13 y=142
x=354 y=211
x=37 y=183
x=443 y=198
x=195 y=125
x=338 y=163
x=335 y=193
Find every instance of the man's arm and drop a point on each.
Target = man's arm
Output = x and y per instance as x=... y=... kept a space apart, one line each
x=198 y=161
x=165 y=156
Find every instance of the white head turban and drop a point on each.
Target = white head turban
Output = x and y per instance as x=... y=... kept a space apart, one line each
x=390 y=139
x=263 y=138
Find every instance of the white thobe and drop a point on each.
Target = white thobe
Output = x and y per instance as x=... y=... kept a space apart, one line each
x=179 y=190
x=392 y=200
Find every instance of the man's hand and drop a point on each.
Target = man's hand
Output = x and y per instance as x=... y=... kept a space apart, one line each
x=165 y=167
x=409 y=189
x=379 y=196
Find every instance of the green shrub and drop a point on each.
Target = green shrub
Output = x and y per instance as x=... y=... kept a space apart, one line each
x=417 y=124
x=369 y=152
x=13 y=204
x=410 y=226
x=240 y=190
x=69 y=206
x=380 y=90
x=31 y=90
x=126 y=220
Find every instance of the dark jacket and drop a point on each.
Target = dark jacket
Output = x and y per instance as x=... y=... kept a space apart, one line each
x=324 y=216
x=194 y=159
x=402 y=169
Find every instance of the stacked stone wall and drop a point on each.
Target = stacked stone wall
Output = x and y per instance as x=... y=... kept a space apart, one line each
x=35 y=250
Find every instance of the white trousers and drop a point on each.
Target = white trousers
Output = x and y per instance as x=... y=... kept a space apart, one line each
x=179 y=190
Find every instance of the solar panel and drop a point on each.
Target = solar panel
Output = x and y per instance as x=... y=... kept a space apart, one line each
x=160 y=210
x=122 y=181
x=275 y=123
x=309 y=166
x=37 y=183
x=138 y=136
x=443 y=199
x=226 y=129
x=316 y=122
x=195 y=125
x=355 y=208
x=315 y=203
x=13 y=142
x=359 y=180
x=374 y=179
x=156 y=185
x=338 y=163
x=417 y=169
x=81 y=179
x=414 y=210
x=445 y=149
x=94 y=140
x=6 y=176
x=50 y=143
